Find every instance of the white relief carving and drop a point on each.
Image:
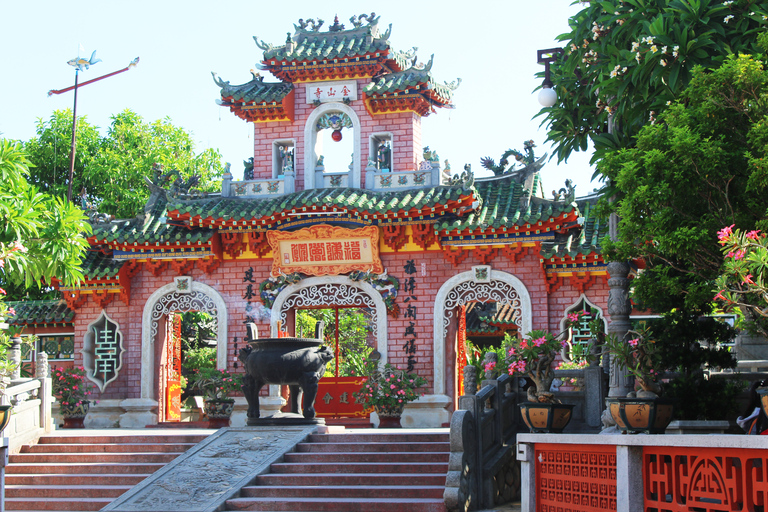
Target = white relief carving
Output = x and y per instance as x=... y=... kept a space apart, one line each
x=103 y=351
x=495 y=291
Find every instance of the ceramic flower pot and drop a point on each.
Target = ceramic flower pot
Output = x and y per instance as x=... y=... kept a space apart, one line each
x=635 y=415
x=74 y=415
x=389 y=418
x=218 y=411
x=546 y=418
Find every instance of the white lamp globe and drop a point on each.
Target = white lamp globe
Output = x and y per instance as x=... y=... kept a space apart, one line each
x=547 y=97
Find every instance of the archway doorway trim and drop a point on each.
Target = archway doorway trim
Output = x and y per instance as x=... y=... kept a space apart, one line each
x=167 y=299
x=463 y=288
x=329 y=291
x=310 y=142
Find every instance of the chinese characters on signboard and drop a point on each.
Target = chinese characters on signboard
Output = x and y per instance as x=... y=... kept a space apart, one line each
x=336 y=91
x=325 y=250
x=410 y=314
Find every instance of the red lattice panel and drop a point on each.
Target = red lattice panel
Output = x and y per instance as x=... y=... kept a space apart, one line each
x=575 y=478
x=704 y=479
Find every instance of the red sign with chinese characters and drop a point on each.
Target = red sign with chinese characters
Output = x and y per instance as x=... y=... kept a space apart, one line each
x=335 y=398
x=325 y=250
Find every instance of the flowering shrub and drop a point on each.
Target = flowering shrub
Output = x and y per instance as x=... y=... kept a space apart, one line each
x=641 y=357
x=742 y=283
x=215 y=384
x=71 y=387
x=573 y=365
x=389 y=389
x=533 y=356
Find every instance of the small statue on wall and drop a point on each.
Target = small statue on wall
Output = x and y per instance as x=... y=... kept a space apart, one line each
x=384 y=156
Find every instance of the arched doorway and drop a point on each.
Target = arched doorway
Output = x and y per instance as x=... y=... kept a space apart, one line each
x=463 y=289
x=332 y=292
x=183 y=295
x=311 y=142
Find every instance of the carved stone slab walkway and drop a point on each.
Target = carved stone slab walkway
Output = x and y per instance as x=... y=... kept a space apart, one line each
x=213 y=471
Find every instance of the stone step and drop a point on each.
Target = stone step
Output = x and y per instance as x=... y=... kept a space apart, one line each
x=369 y=457
x=65 y=491
x=108 y=448
x=361 y=467
x=380 y=436
x=348 y=479
x=90 y=468
x=83 y=458
x=339 y=504
x=373 y=447
x=59 y=504
x=124 y=439
x=347 y=491
x=38 y=479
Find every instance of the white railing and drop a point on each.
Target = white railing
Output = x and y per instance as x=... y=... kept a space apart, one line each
x=31 y=400
x=260 y=188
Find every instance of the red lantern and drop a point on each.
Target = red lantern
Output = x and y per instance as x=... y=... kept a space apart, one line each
x=336 y=135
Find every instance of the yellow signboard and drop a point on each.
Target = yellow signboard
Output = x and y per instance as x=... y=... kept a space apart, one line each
x=325 y=250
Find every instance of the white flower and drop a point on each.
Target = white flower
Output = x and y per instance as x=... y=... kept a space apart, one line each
x=623 y=70
x=728 y=2
x=654 y=49
x=669 y=102
x=675 y=51
x=637 y=57
x=663 y=62
x=663 y=49
x=635 y=46
x=728 y=18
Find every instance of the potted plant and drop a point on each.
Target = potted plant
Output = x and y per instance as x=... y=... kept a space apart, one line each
x=216 y=387
x=388 y=390
x=71 y=388
x=532 y=356
x=642 y=410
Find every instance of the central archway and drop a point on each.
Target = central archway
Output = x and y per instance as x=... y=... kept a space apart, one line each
x=333 y=291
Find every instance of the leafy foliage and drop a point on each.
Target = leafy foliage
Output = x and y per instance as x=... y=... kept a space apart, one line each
x=71 y=386
x=215 y=384
x=111 y=169
x=353 y=337
x=389 y=388
x=625 y=61
x=700 y=398
x=51 y=231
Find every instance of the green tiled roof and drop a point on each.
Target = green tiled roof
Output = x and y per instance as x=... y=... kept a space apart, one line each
x=36 y=312
x=256 y=90
x=409 y=78
x=96 y=265
x=489 y=317
x=583 y=241
x=311 y=45
x=504 y=204
x=154 y=230
x=360 y=200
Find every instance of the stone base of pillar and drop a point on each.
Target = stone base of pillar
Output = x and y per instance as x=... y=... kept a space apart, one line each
x=139 y=412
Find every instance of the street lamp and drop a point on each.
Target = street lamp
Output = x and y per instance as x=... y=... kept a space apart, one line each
x=547 y=94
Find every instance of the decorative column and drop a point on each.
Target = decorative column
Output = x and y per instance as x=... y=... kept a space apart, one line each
x=14 y=355
x=619 y=309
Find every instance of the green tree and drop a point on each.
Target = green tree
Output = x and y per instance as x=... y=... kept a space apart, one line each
x=625 y=61
x=112 y=168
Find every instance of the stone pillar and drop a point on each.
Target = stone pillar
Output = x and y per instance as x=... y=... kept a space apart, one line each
x=619 y=308
x=14 y=355
x=470 y=380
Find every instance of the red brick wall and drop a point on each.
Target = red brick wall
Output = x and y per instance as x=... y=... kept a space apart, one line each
x=404 y=126
x=228 y=280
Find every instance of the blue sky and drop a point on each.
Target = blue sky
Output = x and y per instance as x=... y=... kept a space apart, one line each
x=491 y=45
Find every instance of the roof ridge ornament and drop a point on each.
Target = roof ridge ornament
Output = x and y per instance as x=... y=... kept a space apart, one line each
x=357 y=21
x=336 y=27
x=311 y=21
x=262 y=44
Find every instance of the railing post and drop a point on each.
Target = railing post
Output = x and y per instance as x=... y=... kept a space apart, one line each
x=526 y=457
x=629 y=478
x=594 y=395
x=45 y=392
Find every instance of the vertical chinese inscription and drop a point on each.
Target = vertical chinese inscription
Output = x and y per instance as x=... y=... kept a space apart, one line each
x=409 y=334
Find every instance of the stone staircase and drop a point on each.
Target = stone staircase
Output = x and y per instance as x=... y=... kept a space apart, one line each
x=383 y=470
x=85 y=472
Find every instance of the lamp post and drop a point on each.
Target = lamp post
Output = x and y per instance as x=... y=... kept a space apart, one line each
x=81 y=64
x=547 y=94
x=619 y=305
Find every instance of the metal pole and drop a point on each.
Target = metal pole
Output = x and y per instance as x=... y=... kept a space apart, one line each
x=74 y=141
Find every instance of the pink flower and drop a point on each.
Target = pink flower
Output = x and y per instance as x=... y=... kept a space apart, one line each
x=11 y=311
x=754 y=234
x=563 y=343
x=736 y=255
x=633 y=343
x=511 y=351
x=2 y=292
x=724 y=234
x=490 y=366
x=392 y=386
x=539 y=341
x=748 y=279
x=720 y=296
x=523 y=344
x=18 y=247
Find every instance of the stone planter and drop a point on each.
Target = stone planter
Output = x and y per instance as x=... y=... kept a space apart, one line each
x=636 y=415
x=546 y=418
